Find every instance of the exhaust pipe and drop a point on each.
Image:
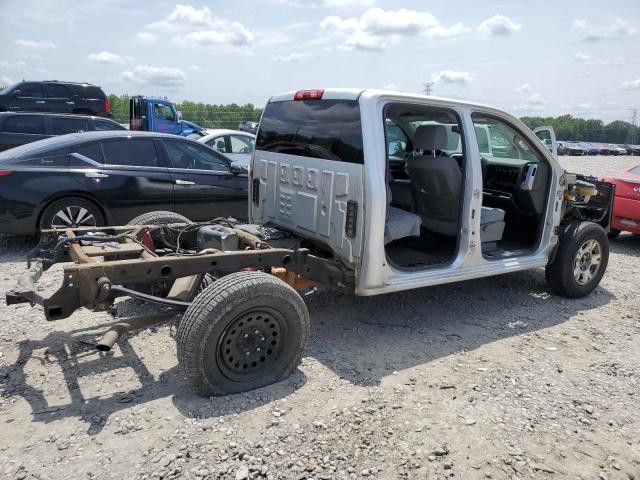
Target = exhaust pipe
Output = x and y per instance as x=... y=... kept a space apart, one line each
x=135 y=323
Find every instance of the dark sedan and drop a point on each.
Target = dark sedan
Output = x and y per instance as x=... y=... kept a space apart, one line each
x=99 y=178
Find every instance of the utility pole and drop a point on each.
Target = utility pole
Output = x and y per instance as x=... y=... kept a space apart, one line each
x=634 y=117
x=428 y=88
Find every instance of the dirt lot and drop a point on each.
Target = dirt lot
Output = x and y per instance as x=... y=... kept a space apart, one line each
x=492 y=378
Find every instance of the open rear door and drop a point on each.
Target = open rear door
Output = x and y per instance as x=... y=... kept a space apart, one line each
x=307 y=171
x=548 y=138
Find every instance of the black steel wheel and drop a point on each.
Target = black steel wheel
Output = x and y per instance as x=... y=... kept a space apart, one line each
x=245 y=331
x=71 y=212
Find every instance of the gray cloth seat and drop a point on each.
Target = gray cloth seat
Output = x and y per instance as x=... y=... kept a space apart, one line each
x=437 y=183
x=491 y=224
x=399 y=223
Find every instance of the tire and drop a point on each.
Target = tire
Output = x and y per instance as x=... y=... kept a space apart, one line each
x=574 y=274
x=71 y=212
x=613 y=233
x=159 y=217
x=219 y=357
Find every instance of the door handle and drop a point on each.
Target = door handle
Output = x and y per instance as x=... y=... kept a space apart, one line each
x=96 y=175
x=40 y=101
x=70 y=103
x=185 y=182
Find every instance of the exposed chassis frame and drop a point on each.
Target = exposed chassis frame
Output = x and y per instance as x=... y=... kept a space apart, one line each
x=95 y=285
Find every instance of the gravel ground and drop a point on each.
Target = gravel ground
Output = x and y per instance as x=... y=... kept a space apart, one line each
x=492 y=378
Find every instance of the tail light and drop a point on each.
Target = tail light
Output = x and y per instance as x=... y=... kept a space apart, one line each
x=309 y=94
x=5 y=173
x=107 y=105
x=136 y=124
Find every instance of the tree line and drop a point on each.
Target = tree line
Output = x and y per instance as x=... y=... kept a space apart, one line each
x=568 y=127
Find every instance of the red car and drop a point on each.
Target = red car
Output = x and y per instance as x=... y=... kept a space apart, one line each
x=626 y=204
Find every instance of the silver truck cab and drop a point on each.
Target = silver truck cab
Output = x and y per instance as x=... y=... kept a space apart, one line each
x=411 y=191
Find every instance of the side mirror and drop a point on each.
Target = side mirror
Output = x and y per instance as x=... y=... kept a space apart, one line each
x=179 y=113
x=16 y=93
x=236 y=168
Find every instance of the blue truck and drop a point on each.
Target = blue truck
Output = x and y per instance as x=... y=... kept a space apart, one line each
x=158 y=115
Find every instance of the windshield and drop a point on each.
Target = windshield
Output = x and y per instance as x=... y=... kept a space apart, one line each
x=8 y=89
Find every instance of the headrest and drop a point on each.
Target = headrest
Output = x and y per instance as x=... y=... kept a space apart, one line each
x=430 y=137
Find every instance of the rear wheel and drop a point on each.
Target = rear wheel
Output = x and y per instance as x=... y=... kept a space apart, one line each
x=71 y=212
x=245 y=331
x=581 y=260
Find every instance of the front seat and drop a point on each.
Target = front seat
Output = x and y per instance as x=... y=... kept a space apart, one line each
x=437 y=184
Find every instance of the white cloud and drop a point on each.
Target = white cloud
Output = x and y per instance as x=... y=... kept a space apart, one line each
x=165 y=77
x=292 y=57
x=603 y=29
x=146 y=38
x=34 y=45
x=184 y=19
x=588 y=60
x=534 y=102
x=328 y=3
x=184 y=15
x=631 y=85
x=498 y=25
x=229 y=33
x=107 y=58
x=452 y=77
x=12 y=65
x=391 y=86
x=524 y=88
x=536 y=99
x=375 y=27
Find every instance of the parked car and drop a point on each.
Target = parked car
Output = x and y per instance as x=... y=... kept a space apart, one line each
x=589 y=148
x=616 y=149
x=19 y=128
x=250 y=127
x=603 y=149
x=626 y=203
x=632 y=149
x=98 y=178
x=572 y=148
x=562 y=150
x=55 y=97
x=237 y=146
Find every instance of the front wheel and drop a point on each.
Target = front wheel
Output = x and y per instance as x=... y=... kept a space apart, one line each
x=581 y=260
x=245 y=331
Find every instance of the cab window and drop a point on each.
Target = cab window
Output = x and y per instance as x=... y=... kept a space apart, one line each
x=241 y=144
x=163 y=112
x=504 y=141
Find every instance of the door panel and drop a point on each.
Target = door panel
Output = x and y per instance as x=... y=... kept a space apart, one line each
x=163 y=118
x=59 y=99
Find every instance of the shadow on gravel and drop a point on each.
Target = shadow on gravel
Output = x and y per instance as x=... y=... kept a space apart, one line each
x=14 y=248
x=364 y=339
x=626 y=244
x=75 y=354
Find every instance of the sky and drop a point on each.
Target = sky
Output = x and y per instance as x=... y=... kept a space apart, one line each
x=528 y=58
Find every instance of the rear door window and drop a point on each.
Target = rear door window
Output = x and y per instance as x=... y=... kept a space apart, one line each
x=31 y=124
x=133 y=152
x=218 y=144
x=57 y=91
x=241 y=144
x=64 y=125
x=326 y=129
x=91 y=151
x=92 y=93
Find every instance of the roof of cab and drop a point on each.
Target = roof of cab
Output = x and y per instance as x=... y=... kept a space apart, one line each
x=356 y=93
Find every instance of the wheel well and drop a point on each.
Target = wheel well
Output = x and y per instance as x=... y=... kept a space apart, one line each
x=84 y=196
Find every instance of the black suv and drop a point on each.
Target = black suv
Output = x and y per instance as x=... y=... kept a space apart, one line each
x=55 y=97
x=19 y=128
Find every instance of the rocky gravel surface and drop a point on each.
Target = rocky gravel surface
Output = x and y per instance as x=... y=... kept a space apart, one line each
x=492 y=378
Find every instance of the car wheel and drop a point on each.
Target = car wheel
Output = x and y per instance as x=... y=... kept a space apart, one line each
x=71 y=212
x=245 y=331
x=613 y=232
x=581 y=260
